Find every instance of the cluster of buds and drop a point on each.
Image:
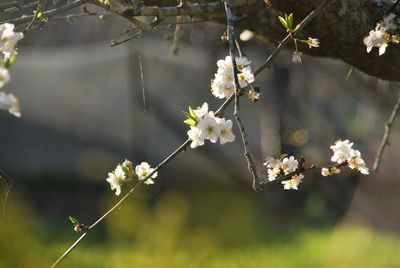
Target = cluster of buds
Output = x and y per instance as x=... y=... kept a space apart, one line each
x=204 y=125
x=381 y=36
x=282 y=166
x=125 y=172
x=222 y=86
x=345 y=155
x=8 y=41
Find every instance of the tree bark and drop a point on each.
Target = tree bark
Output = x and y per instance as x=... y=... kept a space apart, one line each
x=341 y=27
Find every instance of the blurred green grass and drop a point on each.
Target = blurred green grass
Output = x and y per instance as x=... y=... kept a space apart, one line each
x=193 y=229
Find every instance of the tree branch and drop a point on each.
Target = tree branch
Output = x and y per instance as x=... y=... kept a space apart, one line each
x=180 y=149
x=48 y=14
x=186 y=9
x=385 y=138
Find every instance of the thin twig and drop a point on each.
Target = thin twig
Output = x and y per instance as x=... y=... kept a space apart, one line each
x=177 y=36
x=142 y=83
x=385 y=138
x=393 y=7
x=236 y=86
x=289 y=37
x=156 y=169
x=48 y=13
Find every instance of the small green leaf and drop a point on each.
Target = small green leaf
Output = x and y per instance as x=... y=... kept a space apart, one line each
x=73 y=220
x=192 y=113
x=10 y=61
x=190 y=122
x=289 y=21
x=283 y=156
x=283 y=21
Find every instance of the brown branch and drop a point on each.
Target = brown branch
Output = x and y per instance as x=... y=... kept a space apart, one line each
x=186 y=9
x=230 y=18
x=385 y=138
x=265 y=182
x=289 y=37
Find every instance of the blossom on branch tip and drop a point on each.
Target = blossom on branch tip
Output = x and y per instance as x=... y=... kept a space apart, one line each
x=143 y=172
x=312 y=42
x=344 y=153
x=356 y=162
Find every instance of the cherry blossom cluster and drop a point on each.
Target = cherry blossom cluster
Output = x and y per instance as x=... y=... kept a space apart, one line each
x=8 y=42
x=125 y=172
x=345 y=155
x=222 y=86
x=204 y=125
x=381 y=36
x=284 y=166
x=9 y=39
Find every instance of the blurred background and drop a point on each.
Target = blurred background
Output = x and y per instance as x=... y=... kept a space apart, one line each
x=84 y=109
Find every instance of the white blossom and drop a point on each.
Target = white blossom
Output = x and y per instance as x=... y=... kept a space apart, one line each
x=272 y=162
x=143 y=171
x=119 y=172
x=226 y=134
x=293 y=182
x=325 y=172
x=356 y=162
x=377 y=38
x=273 y=173
x=241 y=62
x=312 y=42
x=289 y=165
x=245 y=77
x=116 y=179
x=196 y=136
x=4 y=76
x=9 y=39
x=201 y=111
x=296 y=58
x=341 y=151
x=222 y=86
x=209 y=128
x=10 y=102
x=380 y=36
